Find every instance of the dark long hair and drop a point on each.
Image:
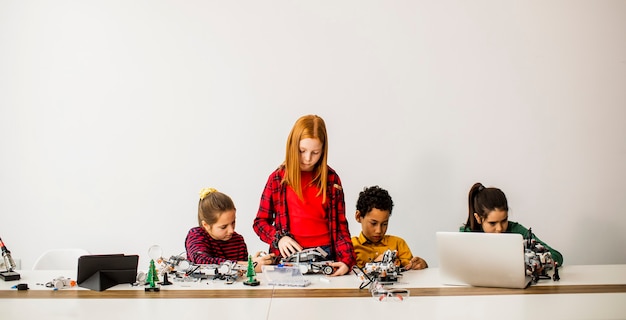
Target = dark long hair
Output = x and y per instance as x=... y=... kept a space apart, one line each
x=483 y=200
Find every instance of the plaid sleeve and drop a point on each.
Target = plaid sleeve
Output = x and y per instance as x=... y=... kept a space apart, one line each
x=264 y=221
x=271 y=216
x=342 y=242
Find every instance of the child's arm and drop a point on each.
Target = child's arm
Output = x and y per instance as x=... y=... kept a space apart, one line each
x=416 y=263
x=263 y=224
x=344 y=250
x=558 y=258
x=260 y=260
x=518 y=228
x=288 y=246
x=340 y=268
x=407 y=260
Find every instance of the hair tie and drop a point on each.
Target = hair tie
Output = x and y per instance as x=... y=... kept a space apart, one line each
x=206 y=191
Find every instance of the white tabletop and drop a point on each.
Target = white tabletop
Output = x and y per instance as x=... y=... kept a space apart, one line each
x=427 y=278
x=274 y=303
x=540 y=306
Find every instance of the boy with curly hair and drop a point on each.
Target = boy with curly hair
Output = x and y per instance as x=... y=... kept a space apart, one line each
x=373 y=209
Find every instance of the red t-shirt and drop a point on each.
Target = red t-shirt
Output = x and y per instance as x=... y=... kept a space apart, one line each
x=307 y=217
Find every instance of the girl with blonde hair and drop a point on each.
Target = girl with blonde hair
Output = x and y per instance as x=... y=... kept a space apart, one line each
x=215 y=241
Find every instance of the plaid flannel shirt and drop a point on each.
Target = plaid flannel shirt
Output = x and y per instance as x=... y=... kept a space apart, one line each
x=272 y=219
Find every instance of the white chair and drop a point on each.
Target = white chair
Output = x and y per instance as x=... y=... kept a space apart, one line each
x=59 y=259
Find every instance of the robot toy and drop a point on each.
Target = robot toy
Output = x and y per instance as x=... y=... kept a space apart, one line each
x=538 y=260
x=229 y=271
x=183 y=270
x=386 y=270
x=378 y=272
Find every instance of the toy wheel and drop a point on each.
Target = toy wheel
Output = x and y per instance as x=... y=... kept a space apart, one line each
x=327 y=270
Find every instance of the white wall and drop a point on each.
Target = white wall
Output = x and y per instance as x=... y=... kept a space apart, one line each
x=113 y=114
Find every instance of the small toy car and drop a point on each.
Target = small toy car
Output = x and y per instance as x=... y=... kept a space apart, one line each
x=311 y=260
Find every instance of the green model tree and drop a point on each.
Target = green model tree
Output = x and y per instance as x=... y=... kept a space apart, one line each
x=251 y=273
x=152 y=278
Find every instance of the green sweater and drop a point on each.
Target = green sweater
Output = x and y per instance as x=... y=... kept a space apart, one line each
x=515 y=227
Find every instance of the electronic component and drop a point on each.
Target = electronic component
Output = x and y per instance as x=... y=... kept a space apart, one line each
x=9 y=274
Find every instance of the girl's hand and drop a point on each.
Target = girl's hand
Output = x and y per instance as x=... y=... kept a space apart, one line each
x=416 y=263
x=288 y=246
x=340 y=268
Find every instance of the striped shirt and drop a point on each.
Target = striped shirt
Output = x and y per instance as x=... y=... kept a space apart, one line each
x=202 y=249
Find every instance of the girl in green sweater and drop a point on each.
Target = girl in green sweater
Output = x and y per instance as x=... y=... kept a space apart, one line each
x=489 y=212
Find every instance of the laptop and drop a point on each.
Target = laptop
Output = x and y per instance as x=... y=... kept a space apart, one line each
x=482 y=259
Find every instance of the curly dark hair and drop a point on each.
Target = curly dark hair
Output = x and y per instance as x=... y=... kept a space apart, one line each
x=373 y=197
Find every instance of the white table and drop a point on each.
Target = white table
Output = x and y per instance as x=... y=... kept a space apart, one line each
x=584 y=292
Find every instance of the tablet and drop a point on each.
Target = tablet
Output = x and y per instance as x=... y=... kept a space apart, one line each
x=100 y=272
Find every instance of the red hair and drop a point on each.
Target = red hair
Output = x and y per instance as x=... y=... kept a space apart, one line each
x=313 y=127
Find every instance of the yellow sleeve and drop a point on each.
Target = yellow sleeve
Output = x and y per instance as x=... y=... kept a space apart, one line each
x=361 y=252
x=404 y=253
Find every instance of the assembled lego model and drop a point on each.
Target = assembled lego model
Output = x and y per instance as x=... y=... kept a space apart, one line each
x=538 y=260
x=374 y=275
x=60 y=283
x=174 y=264
x=183 y=270
x=385 y=270
x=378 y=272
x=311 y=260
x=229 y=271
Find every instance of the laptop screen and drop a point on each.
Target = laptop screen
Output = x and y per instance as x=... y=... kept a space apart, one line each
x=482 y=259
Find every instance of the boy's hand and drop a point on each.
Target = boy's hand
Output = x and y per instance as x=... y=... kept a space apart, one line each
x=416 y=263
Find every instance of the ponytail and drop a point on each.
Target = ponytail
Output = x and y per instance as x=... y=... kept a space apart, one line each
x=483 y=200
x=471 y=222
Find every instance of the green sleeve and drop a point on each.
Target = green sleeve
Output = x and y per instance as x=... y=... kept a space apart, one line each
x=515 y=227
